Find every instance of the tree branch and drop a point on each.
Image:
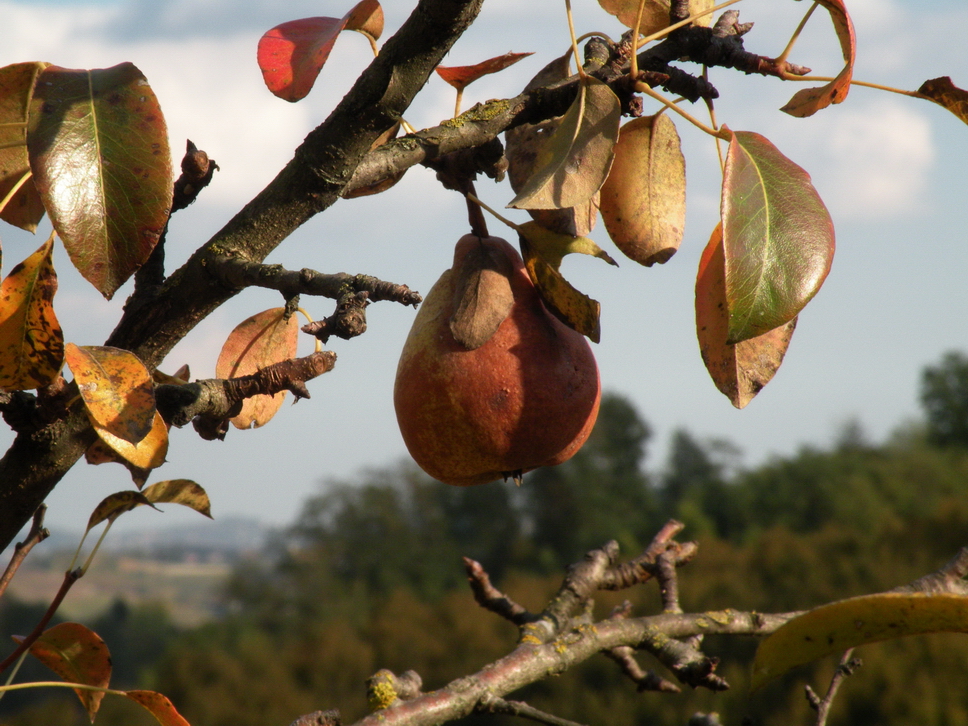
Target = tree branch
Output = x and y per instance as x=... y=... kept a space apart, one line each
x=38 y=533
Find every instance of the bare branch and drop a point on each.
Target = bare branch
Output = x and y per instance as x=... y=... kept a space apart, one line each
x=38 y=533
x=490 y=598
x=846 y=667
x=518 y=708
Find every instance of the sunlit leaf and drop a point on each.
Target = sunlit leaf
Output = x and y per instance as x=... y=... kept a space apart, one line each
x=643 y=199
x=739 y=371
x=147 y=454
x=159 y=707
x=655 y=14
x=114 y=505
x=572 y=166
x=24 y=209
x=462 y=76
x=180 y=491
x=838 y=626
x=810 y=100
x=100 y=453
x=180 y=377
x=543 y=251
x=482 y=295
x=259 y=341
x=99 y=153
x=31 y=341
x=116 y=387
x=524 y=145
x=292 y=54
x=942 y=91
x=78 y=655
x=777 y=234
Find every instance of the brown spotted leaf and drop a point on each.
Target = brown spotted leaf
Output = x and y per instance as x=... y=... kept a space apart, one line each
x=482 y=296
x=78 y=655
x=147 y=454
x=24 y=209
x=462 y=76
x=259 y=341
x=114 y=505
x=116 y=387
x=31 y=341
x=292 y=54
x=159 y=707
x=810 y=100
x=643 y=199
x=180 y=491
x=739 y=371
x=571 y=167
x=945 y=93
x=99 y=154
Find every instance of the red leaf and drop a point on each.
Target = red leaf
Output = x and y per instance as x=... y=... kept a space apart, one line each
x=462 y=76
x=159 y=706
x=810 y=100
x=292 y=54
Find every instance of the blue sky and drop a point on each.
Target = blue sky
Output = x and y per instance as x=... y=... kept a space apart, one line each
x=890 y=169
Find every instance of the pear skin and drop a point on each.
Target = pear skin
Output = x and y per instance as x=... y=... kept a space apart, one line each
x=527 y=397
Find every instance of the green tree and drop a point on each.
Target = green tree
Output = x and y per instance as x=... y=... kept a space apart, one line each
x=944 y=396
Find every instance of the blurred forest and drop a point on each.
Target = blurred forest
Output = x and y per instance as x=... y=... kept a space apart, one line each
x=370 y=576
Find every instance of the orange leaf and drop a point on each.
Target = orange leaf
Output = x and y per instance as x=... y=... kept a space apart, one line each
x=462 y=76
x=78 y=655
x=945 y=93
x=31 y=341
x=257 y=342
x=810 y=100
x=739 y=371
x=149 y=453
x=159 y=706
x=116 y=387
x=24 y=209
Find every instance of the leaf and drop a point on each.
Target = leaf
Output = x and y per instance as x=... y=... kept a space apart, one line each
x=778 y=237
x=114 y=505
x=31 y=340
x=383 y=184
x=543 y=251
x=655 y=14
x=462 y=76
x=180 y=491
x=810 y=100
x=945 y=93
x=574 y=163
x=179 y=378
x=739 y=371
x=482 y=295
x=99 y=154
x=292 y=54
x=24 y=209
x=644 y=197
x=116 y=387
x=525 y=143
x=147 y=454
x=259 y=341
x=78 y=655
x=159 y=707
x=848 y=623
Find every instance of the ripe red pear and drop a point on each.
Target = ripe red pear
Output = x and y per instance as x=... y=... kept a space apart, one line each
x=526 y=397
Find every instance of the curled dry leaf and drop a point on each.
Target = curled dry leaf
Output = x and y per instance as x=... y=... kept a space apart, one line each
x=292 y=54
x=462 y=76
x=31 y=340
x=180 y=491
x=482 y=295
x=259 y=341
x=78 y=655
x=116 y=388
x=571 y=167
x=24 y=209
x=810 y=100
x=655 y=13
x=945 y=93
x=644 y=197
x=835 y=627
x=739 y=371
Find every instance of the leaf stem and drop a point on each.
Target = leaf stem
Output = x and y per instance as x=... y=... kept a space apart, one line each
x=574 y=40
x=634 y=67
x=61 y=684
x=647 y=90
x=309 y=319
x=864 y=84
x=796 y=35
x=482 y=205
x=460 y=95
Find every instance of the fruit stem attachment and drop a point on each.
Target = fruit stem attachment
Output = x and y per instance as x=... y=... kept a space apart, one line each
x=472 y=198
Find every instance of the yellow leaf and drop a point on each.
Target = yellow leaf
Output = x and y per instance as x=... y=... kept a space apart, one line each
x=149 y=453
x=24 y=209
x=655 y=14
x=114 y=505
x=31 y=341
x=846 y=624
x=180 y=491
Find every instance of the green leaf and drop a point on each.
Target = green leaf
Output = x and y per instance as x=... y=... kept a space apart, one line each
x=99 y=154
x=573 y=164
x=180 y=491
x=24 y=209
x=848 y=623
x=78 y=655
x=31 y=340
x=778 y=237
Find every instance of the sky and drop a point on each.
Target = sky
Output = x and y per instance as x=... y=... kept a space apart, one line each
x=889 y=168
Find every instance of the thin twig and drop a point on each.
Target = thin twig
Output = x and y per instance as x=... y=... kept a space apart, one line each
x=822 y=706
x=69 y=579
x=38 y=533
x=518 y=708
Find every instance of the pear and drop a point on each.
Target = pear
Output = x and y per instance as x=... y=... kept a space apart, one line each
x=489 y=383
